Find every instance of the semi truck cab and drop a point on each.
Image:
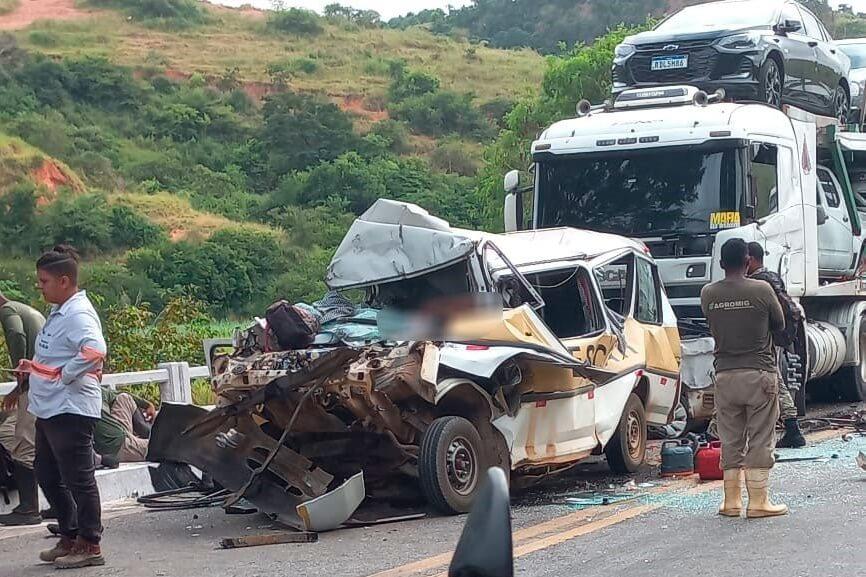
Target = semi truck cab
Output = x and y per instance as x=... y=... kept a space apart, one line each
x=683 y=171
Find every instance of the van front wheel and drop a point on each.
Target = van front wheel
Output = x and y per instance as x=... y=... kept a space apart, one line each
x=626 y=450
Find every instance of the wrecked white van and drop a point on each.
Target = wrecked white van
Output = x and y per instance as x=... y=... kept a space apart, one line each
x=582 y=353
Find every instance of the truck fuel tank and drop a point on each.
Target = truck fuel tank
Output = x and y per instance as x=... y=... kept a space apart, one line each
x=826 y=345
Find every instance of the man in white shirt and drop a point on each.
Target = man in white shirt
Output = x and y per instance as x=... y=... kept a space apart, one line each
x=66 y=399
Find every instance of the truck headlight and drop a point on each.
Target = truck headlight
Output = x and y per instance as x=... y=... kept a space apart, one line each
x=738 y=42
x=624 y=50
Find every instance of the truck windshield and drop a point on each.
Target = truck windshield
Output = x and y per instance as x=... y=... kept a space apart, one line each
x=651 y=192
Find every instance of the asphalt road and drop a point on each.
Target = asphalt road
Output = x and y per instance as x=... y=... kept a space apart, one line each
x=669 y=528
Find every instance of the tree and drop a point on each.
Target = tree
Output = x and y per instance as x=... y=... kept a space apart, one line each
x=300 y=131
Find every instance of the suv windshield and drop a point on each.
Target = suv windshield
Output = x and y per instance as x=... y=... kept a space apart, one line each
x=721 y=16
x=643 y=193
x=857 y=54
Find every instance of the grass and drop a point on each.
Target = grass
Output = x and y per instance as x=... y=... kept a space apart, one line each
x=7 y=6
x=350 y=62
x=178 y=217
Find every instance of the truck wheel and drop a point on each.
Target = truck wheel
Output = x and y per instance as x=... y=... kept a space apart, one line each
x=627 y=448
x=851 y=381
x=450 y=464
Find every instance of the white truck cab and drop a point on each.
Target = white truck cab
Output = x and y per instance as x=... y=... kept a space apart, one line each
x=683 y=172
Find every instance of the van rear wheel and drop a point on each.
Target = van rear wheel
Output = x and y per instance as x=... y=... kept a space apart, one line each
x=626 y=450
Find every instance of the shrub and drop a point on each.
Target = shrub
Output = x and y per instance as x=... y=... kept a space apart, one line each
x=129 y=229
x=42 y=38
x=455 y=156
x=295 y=21
x=412 y=84
x=442 y=113
x=175 y=13
x=395 y=135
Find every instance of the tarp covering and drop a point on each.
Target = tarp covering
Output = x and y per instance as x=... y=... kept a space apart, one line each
x=392 y=241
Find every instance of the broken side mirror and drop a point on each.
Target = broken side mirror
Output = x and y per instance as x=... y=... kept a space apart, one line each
x=822 y=214
x=485 y=546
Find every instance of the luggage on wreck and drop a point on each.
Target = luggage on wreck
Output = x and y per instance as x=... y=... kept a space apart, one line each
x=293 y=326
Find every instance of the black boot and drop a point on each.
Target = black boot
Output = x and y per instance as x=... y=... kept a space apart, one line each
x=140 y=426
x=27 y=511
x=792 y=438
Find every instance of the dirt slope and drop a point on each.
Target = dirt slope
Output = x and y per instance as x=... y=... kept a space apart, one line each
x=29 y=11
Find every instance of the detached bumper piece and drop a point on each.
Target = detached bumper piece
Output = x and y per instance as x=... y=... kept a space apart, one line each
x=230 y=449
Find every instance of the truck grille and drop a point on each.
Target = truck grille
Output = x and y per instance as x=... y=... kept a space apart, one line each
x=702 y=63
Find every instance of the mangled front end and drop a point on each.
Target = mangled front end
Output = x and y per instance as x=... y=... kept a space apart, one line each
x=293 y=426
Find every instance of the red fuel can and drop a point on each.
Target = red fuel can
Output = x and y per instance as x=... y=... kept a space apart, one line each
x=708 y=461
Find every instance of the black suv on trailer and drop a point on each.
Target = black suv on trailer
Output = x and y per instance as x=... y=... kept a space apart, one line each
x=773 y=51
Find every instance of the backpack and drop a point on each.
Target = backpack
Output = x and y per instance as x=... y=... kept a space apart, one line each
x=293 y=327
x=792 y=313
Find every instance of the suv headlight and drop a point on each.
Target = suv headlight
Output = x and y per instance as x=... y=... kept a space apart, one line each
x=737 y=42
x=624 y=50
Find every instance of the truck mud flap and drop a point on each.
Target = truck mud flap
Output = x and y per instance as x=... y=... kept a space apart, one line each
x=230 y=449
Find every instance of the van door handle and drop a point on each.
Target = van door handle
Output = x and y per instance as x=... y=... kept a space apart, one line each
x=812 y=44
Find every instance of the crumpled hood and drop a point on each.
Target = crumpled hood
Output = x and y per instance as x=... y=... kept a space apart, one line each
x=393 y=241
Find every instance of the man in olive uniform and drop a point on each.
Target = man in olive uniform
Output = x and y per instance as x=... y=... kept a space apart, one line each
x=122 y=433
x=743 y=313
x=793 y=437
x=20 y=324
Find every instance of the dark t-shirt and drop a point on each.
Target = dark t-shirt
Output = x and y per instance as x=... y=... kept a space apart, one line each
x=742 y=313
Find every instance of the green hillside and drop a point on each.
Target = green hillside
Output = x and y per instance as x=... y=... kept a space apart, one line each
x=193 y=150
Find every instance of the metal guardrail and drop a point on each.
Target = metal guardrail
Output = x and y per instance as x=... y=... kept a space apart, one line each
x=174 y=379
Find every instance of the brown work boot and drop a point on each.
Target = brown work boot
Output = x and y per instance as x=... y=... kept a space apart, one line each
x=63 y=547
x=757 y=484
x=83 y=554
x=733 y=505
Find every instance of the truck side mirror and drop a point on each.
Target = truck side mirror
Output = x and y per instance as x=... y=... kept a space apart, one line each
x=822 y=215
x=511 y=208
x=512 y=181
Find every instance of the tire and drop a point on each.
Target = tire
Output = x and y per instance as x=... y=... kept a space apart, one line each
x=626 y=450
x=841 y=105
x=771 y=83
x=851 y=381
x=451 y=464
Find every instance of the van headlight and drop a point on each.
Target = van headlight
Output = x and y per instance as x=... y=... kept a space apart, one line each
x=624 y=50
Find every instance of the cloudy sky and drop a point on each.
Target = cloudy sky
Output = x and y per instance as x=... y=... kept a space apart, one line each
x=387 y=8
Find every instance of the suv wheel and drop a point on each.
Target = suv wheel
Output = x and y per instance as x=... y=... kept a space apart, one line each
x=770 y=78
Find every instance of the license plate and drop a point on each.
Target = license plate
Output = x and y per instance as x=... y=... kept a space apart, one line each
x=669 y=62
